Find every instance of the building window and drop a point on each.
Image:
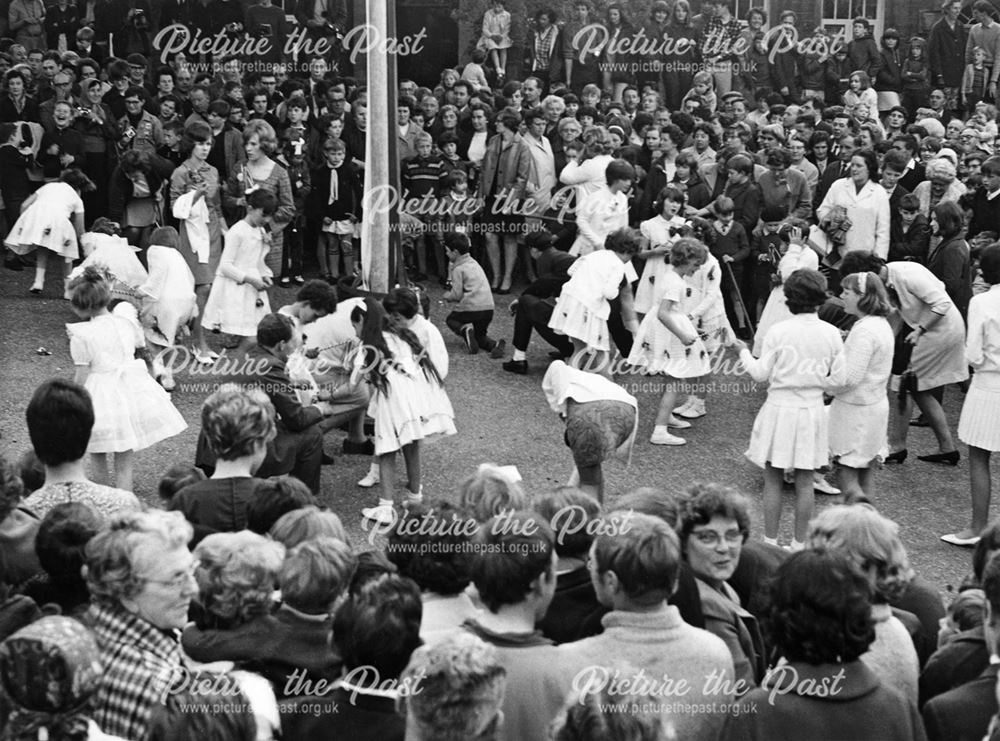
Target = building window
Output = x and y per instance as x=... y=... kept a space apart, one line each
x=838 y=14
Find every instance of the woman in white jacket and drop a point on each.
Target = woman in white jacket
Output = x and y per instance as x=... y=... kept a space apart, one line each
x=866 y=204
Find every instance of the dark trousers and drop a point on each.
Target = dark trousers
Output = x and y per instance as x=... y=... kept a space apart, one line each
x=297 y=453
x=480 y=321
x=291 y=259
x=533 y=313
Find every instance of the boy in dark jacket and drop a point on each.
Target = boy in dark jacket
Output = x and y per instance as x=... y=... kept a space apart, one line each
x=421 y=181
x=862 y=50
x=336 y=199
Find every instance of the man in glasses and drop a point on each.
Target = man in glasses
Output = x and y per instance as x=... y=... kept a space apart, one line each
x=62 y=85
x=138 y=128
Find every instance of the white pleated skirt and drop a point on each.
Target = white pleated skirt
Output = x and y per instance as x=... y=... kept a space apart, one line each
x=979 y=424
x=859 y=432
x=789 y=437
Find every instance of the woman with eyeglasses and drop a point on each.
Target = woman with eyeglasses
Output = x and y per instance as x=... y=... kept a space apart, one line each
x=141 y=579
x=713 y=525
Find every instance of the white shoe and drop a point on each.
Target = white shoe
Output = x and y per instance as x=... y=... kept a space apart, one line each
x=694 y=409
x=372 y=478
x=823 y=486
x=661 y=436
x=167 y=381
x=383 y=514
x=412 y=498
x=683 y=407
x=679 y=424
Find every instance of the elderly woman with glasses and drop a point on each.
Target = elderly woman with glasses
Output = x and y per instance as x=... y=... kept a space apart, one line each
x=713 y=526
x=941 y=185
x=141 y=579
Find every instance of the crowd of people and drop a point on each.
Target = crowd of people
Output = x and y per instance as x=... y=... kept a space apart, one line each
x=828 y=216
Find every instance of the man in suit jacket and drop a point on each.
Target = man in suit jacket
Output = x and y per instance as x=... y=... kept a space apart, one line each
x=836 y=170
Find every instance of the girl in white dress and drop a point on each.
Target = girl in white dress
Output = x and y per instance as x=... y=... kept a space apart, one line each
x=802 y=357
x=661 y=231
x=582 y=309
x=169 y=301
x=798 y=255
x=977 y=427
x=238 y=300
x=859 y=415
x=51 y=222
x=408 y=402
x=667 y=342
x=131 y=411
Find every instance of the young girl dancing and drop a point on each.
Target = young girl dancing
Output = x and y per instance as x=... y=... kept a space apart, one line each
x=977 y=427
x=859 y=415
x=408 y=402
x=169 y=301
x=131 y=411
x=707 y=313
x=667 y=342
x=51 y=223
x=238 y=300
x=582 y=309
x=661 y=231
x=802 y=357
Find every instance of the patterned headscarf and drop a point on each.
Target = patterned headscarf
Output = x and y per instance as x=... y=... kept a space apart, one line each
x=49 y=670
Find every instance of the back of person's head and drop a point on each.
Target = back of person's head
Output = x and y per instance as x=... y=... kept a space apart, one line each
x=571 y=514
x=274 y=329
x=89 y=292
x=273 y=499
x=178 y=476
x=379 y=628
x=372 y=565
x=805 y=291
x=316 y=574
x=306 y=523
x=49 y=671
x=872 y=543
x=604 y=714
x=619 y=170
x=61 y=542
x=490 y=491
x=207 y=708
x=724 y=205
x=236 y=575
x=462 y=683
x=60 y=418
x=968 y=609
x=165 y=236
x=649 y=500
x=640 y=556
x=624 y=241
x=820 y=609
x=430 y=544
x=403 y=301
x=514 y=557
x=236 y=421
x=991 y=586
x=318 y=295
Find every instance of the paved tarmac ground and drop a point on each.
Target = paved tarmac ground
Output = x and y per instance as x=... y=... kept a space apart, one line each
x=504 y=418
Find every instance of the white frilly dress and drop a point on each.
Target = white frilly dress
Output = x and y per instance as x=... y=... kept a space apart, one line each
x=658 y=350
x=235 y=307
x=46 y=222
x=657 y=231
x=798 y=257
x=582 y=309
x=131 y=410
x=413 y=407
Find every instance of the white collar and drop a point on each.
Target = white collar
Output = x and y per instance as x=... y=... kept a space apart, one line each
x=991 y=196
x=351 y=687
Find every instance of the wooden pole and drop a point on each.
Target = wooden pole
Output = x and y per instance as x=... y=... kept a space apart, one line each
x=380 y=230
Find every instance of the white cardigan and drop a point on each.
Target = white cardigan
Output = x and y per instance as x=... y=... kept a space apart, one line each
x=868 y=211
